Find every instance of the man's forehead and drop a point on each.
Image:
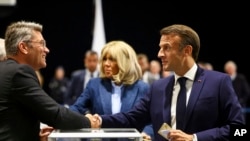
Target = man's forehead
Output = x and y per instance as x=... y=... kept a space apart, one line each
x=169 y=39
x=168 y=36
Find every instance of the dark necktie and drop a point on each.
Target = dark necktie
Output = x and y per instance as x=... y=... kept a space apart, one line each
x=181 y=104
x=91 y=75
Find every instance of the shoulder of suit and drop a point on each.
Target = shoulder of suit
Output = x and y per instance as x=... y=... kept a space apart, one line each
x=140 y=83
x=77 y=72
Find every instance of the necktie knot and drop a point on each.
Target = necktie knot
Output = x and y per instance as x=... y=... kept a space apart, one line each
x=182 y=81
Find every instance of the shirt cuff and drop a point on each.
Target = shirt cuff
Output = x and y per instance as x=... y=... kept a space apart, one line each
x=195 y=137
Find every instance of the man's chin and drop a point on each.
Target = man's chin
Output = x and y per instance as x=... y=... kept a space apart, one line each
x=44 y=65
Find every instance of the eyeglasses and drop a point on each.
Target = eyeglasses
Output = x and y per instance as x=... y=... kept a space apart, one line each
x=42 y=42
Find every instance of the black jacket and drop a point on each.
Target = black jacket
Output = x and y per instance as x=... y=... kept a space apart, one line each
x=24 y=104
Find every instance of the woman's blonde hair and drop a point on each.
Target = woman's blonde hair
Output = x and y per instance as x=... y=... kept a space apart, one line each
x=125 y=56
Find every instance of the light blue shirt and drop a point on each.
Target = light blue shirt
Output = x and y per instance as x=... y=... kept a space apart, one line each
x=116 y=98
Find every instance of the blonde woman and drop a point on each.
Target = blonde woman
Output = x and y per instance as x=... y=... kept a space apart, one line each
x=119 y=86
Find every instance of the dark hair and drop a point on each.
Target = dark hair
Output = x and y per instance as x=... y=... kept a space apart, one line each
x=188 y=37
x=90 y=52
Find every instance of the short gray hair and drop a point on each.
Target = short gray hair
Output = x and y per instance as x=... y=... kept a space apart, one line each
x=18 y=32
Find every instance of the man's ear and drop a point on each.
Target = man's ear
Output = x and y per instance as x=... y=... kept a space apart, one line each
x=188 y=49
x=23 y=48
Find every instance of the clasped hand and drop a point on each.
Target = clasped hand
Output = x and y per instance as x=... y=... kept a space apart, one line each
x=95 y=120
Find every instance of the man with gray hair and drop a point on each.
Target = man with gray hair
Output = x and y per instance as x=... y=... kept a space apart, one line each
x=24 y=104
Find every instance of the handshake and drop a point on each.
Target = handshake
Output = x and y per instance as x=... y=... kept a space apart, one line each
x=95 y=120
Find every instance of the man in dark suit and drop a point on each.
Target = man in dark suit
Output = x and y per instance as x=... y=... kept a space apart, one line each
x=23 y=103
x=80 y=78
x=211 y=105
x=240 y=83
x=241 y=87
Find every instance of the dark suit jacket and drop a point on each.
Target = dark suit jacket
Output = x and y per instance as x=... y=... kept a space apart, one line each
x=76 y=86
x=96 y=97
x=24 y=104
x=213 y=106
x=242 y=89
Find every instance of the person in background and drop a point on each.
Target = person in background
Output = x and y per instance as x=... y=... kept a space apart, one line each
x=205 y=65
x=210 y=108
x=80 y=78
x=24 y=104
x=119 y=86
x=240 y=83
x=144 y=63
x=58 y=85
x=154 y=71
x=166 y=73
x=2 y=50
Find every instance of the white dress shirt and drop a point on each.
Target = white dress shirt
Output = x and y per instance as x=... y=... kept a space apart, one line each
x=190 y=75
x=88 y=77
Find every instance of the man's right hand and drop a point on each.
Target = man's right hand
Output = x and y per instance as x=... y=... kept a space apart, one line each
x=95 y=120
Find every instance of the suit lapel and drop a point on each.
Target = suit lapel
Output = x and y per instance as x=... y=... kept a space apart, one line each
x=128 y=97
x=105 y=96
x=167 y=101
x=195 y=93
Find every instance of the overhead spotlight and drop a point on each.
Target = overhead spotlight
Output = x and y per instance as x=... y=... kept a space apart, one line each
x=7 y=2
x=7 y=7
